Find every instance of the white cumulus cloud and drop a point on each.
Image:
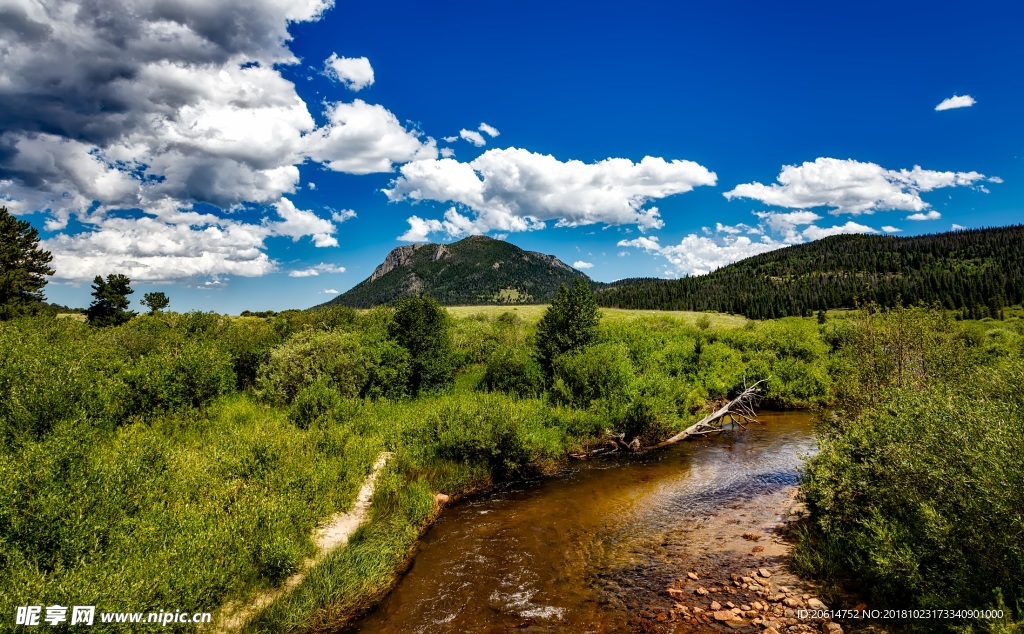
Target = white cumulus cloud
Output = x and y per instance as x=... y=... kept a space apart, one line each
x=580 y=264
x=931 y=215
x=160 y=106
x=891 y=229
x=362 y=138
x=316 y=270
x=518 y=190
x=473 y=137
x=956 y=101
x=489 y=130
x=852 y=187
x=355 y=73
x=343 y=215
x=697 y=255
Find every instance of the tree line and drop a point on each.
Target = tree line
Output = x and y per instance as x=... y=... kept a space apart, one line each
x=975 y=272
x=25 y=267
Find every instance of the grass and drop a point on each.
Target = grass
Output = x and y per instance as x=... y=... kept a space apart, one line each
x=533 y=313
x=151 y=466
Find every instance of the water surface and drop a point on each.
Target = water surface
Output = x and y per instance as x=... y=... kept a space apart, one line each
x=590 y=549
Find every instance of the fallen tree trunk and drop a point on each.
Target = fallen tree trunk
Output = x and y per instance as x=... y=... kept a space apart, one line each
x=741 y=407
x=737 y=410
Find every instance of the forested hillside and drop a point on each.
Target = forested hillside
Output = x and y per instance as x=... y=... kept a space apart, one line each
x=976 y=271
x=475 y=270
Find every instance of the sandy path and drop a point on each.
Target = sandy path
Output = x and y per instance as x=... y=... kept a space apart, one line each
x=327 y=538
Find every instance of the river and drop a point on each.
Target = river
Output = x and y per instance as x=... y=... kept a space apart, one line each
x=592 y=548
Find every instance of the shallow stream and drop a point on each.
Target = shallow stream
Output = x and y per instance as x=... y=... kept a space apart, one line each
x=592 y=549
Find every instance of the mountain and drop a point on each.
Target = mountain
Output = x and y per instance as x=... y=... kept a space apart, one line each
x=475 y=270
x=976 y=271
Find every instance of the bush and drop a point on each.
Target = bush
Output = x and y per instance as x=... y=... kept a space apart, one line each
x=917 y=489
x=514 y=371
x=336 y=358
x=509 y=437
x=423 y=328
x=314 y=404
x=603 y=371
x=188 y=375
x=569 y=325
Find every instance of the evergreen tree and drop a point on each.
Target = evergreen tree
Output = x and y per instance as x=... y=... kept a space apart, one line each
x=155 y=302
x=570 y=324
x=110 y=306
x=23 y=267
x=422 y=327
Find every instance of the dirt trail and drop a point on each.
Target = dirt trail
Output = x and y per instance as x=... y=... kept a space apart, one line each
x=327 y=538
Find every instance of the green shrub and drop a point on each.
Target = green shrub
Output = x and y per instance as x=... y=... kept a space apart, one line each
x=514 y=371
x=316 y=403
x=505 y=435
x=603 y=371
x=423 y=328
x=389 y=369
x=309 y=356
x=188 y=375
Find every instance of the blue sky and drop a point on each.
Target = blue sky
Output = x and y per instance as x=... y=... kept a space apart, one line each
x=265 y=155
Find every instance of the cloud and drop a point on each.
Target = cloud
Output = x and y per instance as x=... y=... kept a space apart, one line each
x=473 y=137
x=146 y=249
x=580 y=264
x=354 y=72
x=343 y=215
x=297 y=223
x=852 y=187
x=816 y=233
x=931 y=215
x=697 y=255
x=957 y=227
x=329 y=291
x=956 y=101
x=447 y=152
x=518 y=190
x=314 y=271
x=160 y=106
x=891 y=229
x=450 y=139
x=489 y=130
x=362 y=138
x=454 y=225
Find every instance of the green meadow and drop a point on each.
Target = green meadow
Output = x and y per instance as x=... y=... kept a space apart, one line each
x=183 y=461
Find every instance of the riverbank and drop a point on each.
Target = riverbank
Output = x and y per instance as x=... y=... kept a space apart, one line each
x=594 y=547
x=752 y=589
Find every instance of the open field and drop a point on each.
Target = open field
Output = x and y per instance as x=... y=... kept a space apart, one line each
x=533 y=314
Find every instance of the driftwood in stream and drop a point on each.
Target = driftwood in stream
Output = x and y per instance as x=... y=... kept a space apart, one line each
x=737 y=411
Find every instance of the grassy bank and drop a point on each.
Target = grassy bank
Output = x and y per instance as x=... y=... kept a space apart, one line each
x=179 y=462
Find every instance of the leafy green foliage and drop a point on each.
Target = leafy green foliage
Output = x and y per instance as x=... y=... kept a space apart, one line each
x=570 y=324
x=23 y=267
x=917 y=491
x=141 y=463
x=603 y=371
x=977 y=272
x=423 y=328
x=514 y=371
x=110 y=301
x=156 y=301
